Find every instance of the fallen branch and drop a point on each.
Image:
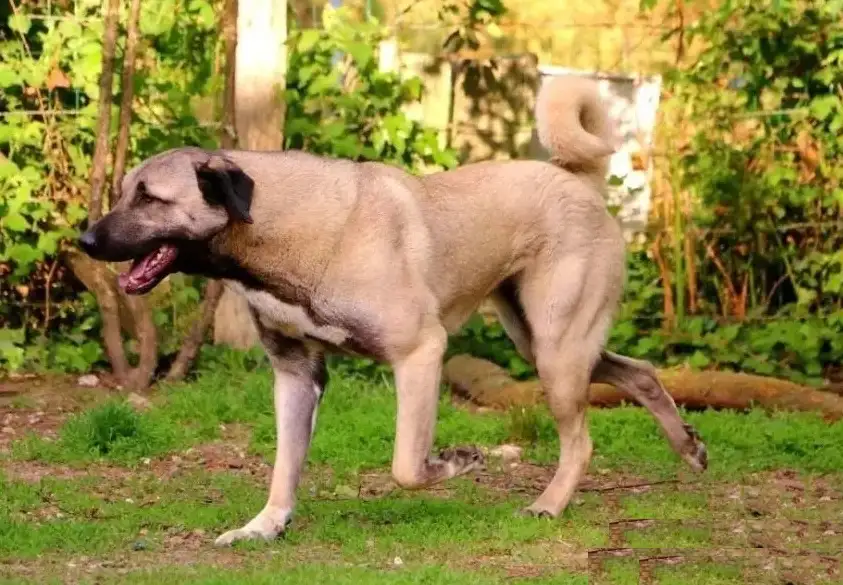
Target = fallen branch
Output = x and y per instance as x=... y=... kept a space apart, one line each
x=489 y=385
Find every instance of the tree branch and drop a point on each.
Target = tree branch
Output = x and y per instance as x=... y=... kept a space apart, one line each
x=193 y=341
x=127 y=86
x=228 y=139
x=100 y=160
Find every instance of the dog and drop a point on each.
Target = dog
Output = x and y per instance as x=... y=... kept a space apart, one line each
x=363 y=258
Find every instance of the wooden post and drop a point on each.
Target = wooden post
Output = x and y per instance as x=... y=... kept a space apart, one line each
x=261 y=66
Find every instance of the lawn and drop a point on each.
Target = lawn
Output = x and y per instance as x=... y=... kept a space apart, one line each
x=94 y=490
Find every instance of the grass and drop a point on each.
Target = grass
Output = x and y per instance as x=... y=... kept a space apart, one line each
x=134 y=513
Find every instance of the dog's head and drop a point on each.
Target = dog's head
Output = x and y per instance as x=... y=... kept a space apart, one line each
x=170 y=203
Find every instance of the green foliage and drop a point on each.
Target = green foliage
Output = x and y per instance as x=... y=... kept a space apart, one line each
x=476 y=22
x=801 y=348
x=486 y=338
x=111 y=430
x=356 y=422
x=354 y=110
x=49 y=70
x=763 y=100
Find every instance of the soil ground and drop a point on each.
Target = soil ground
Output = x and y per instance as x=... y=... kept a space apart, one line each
x=144 y=504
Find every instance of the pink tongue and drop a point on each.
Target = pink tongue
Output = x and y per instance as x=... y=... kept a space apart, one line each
x=147 y=268
x=135 y=274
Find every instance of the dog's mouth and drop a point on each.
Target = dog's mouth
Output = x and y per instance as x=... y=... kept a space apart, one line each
x=148 y=271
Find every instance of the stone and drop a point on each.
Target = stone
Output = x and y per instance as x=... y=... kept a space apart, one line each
x=508 y=453
x=88 y=381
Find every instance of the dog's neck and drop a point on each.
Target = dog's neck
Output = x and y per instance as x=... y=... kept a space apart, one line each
x=230 y=255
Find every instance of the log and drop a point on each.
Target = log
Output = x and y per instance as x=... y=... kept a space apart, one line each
x=489 y=385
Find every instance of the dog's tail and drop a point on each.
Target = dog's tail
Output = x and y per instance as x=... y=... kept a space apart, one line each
x=573 y=124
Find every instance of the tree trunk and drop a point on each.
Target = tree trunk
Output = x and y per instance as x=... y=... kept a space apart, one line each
x=99 y=165
x=94 y=275
x=127 y=85
x=194 y=339
x=261 y=65
x=489 y=385
x=228 y=140
x=141 y=376
x=98 y=279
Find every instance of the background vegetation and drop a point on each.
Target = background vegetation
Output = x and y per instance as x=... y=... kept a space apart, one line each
x=740 y=270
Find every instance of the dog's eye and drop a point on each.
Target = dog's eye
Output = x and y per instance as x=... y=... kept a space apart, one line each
x=143 y=195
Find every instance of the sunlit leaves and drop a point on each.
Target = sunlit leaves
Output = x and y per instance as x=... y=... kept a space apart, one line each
x=349 y=108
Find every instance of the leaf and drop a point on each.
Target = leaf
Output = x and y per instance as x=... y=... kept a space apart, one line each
x=699 y=360
x=8 y=77
x=822 y=107
x=361 y=53
x=48 y=242
x=805 y=296
x=23 y=255
x=8 y=168
x=307 y=40
x=15 y=222
x=323 y=83
x=57 y=78
x=12 y=336
x=20 y=23
x=205 y=16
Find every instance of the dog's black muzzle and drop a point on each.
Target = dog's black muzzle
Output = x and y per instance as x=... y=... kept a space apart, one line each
x=105 y=241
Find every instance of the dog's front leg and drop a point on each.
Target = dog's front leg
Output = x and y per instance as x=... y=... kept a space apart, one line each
x=417 y=377
x=299 y=382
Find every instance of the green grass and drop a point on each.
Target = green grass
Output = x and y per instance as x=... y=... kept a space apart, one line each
x=360 y=417
x=343 y=576
x=465 y=532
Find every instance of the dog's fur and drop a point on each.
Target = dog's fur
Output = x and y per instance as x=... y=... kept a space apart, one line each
x=363 y=257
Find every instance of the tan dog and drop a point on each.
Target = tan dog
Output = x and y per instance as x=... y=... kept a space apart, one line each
x=365 y=258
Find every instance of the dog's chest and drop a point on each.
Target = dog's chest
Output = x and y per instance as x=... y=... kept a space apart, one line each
x=290 y=320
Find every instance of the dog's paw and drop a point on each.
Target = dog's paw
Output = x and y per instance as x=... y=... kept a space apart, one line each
x=267 y=526
x=241 y=534
x=695 y=452
x=462 y=459
x=535 y=511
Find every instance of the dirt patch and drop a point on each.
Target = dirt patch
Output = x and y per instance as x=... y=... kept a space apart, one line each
x=41 y=405
x=759 y=565
x=42 y=420
x=531 y=479
x=80 y=568
x=227 y=456
x=34 y=471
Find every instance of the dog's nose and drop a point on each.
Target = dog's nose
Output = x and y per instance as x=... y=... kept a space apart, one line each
x=88 y=241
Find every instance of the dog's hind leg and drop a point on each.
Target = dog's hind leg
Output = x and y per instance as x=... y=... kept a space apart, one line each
x=300 y=378
x=569 y=324
x=417 y=378
x=511 y=315
x=639 y=380
x=635 y=377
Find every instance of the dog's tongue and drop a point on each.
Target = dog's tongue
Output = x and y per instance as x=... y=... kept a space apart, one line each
x=148 y=269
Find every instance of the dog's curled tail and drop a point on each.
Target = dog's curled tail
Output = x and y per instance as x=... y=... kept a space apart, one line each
x=573 y=124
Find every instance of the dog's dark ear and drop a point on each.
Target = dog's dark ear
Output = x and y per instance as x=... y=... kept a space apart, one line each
x=224 y=183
